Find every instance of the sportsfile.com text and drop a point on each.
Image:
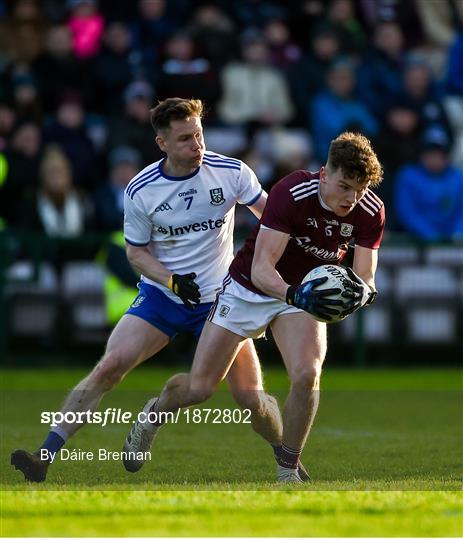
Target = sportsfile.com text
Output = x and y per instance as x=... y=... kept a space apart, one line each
x=111 y=415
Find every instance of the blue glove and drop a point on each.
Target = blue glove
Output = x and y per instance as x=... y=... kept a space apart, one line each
x=307 y=297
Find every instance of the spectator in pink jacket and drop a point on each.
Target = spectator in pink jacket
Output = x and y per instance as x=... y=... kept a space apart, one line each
x=87 y=26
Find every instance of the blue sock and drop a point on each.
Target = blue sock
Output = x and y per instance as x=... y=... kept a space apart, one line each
x=53 y=443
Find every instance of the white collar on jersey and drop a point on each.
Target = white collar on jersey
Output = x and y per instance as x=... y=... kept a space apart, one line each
x=321 y=201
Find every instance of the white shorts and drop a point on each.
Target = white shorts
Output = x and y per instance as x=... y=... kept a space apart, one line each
x=244 y=312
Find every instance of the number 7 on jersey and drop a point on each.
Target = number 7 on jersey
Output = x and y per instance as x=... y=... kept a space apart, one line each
x=188 y=200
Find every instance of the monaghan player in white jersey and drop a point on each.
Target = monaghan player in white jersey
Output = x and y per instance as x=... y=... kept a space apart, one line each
x=179 y=216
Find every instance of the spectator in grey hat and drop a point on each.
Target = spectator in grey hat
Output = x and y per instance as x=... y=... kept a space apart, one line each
x=124 y=164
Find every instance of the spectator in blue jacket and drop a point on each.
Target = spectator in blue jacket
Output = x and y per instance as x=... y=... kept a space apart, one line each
x=336 y=109
x=429 y=193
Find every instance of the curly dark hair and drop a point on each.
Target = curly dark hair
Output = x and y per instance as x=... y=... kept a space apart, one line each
x=353 y=154
x=174 y=109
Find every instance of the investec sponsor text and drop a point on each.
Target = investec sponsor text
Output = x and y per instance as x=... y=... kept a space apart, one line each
x=210 y=224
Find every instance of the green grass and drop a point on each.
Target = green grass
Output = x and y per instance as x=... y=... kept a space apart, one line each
x=385 y=456
x=219 y=513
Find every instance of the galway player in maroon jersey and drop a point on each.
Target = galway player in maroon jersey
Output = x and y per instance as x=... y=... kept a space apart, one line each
x=309 y=220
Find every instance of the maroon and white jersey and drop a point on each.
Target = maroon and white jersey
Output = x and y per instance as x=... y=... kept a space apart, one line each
x=317 y=235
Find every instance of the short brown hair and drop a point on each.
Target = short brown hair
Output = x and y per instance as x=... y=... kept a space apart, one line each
x=353 y=154
x=174 y=109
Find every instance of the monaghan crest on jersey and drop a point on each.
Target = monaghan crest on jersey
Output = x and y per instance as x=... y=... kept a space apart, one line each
x=217 y=197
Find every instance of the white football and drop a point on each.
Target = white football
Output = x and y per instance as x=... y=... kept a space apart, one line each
x=336 y=276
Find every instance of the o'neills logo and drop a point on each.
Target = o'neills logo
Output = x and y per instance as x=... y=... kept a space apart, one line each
x=324 y=254
x=191 y=191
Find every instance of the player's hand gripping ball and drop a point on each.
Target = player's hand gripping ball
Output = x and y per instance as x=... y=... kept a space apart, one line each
x=329 y=293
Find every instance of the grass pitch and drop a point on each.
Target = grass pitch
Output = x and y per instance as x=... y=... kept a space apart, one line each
x=385 y=456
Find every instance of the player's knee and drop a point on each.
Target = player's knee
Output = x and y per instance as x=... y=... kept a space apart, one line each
x=177 y=382
x=109 y=371
x=249 y=399
x=200 y=391
x=306 y=377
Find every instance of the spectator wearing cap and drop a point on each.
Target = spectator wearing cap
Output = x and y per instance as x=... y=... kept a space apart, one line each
x=115 y=67
x=429 y=193
x=87 y=26
x=134 y=127
x=336 y=109
x=124 y=164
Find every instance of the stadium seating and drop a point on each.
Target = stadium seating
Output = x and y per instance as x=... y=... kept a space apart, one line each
x=82 y=289
x=377 y=325
x=420 y=300
x=32 y=294
x=444 y=256
x=394 y=256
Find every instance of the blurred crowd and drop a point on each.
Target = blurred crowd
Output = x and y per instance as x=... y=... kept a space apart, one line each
x=280 y=79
